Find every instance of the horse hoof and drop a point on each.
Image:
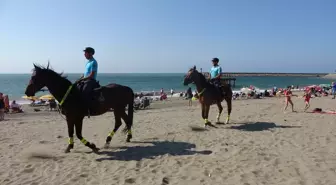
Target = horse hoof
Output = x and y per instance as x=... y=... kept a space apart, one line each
x=94 y=148
x=107 y=145
x=128 y=139
x=207 y=124
x=108 y=139
x=68 y=149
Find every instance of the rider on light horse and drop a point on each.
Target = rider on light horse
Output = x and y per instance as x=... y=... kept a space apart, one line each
x=216 y=73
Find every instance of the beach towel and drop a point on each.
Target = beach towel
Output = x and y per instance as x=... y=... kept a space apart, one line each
x=320 y=111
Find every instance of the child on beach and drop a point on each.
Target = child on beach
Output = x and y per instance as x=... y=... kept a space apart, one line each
x=307 y=96
x=288 y=94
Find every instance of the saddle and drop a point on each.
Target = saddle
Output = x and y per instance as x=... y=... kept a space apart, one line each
x=218 y=86
x=92 y=95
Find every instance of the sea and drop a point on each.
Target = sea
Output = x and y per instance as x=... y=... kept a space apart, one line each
x=14 y=84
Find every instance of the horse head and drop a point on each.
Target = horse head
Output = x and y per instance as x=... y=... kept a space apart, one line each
x=36 y=82
x=191 y=77
x=38 y=79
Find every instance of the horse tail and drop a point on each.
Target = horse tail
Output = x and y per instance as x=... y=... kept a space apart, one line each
x=131 y=108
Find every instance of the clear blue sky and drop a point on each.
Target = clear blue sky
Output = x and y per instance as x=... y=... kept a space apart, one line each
x=169 y=35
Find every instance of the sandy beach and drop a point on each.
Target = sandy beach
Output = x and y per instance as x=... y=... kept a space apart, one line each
x=262 y=145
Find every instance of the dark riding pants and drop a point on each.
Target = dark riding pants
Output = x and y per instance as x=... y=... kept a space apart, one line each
x=216 y=82
x=87 y=91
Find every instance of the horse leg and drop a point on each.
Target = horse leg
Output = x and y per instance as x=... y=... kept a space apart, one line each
x=71 y=131
x=206 y=115
x=229 y=108
x=116 y=127
x=220 y=109
x=78 y=126
x=128 y=128
x=203 y=111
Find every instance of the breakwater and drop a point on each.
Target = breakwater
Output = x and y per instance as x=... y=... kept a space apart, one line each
x=234 y=74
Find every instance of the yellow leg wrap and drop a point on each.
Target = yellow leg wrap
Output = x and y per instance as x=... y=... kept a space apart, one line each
x=206 y=121
x=83 y=141
x=111 y=134
x=227 y=119
x=129 y=132
x=71 y=140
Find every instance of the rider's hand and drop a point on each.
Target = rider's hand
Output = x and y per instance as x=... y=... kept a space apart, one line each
x=78 y=81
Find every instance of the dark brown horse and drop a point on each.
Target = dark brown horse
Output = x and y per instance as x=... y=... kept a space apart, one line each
x=209 y=94
x=71 y=103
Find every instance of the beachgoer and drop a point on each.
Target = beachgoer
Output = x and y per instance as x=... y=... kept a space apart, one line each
x=6 y=101
x=15 y=107
x=172 y=92
x=2 y=107
x=333 y=89
x=189 y=96
x=89 y=77
x=275 y=90
x=307 y=96
x=161 y=91
x=288 y=94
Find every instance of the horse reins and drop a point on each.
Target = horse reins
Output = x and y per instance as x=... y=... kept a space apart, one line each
x=63 y=99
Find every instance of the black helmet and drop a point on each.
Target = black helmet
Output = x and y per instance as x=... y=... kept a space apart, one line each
x=89 y=50
x=215 y=60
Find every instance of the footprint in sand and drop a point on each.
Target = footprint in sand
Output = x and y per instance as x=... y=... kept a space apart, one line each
x=165 y=181
x=43 y=142
x=83 y=175
x=130 y=180
x=28 y=169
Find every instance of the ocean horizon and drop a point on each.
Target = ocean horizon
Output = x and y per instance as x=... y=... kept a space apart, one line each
x=14 y=84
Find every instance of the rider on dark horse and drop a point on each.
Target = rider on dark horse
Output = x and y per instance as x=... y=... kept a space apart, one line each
x=216 y=73
x=88 y=81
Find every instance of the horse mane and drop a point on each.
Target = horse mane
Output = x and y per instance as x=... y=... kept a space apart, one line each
x=50 y=70
x=202 y=77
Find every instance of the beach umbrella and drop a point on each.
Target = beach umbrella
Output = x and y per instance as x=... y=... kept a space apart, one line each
x=29 y=97
x=47 y=97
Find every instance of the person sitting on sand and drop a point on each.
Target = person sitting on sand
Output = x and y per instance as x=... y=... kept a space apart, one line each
x=307 y=96
x=288 y=94
x=15 y=107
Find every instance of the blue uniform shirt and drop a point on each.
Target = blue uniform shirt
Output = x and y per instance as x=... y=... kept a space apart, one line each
x=91 y=65
x=215 y=71
x=334 y=87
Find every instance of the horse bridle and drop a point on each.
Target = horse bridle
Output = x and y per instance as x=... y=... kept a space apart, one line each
x=202 y=91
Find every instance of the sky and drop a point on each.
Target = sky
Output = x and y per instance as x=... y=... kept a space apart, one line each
x=169 y=36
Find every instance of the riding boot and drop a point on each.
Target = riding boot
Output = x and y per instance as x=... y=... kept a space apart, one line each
x=87 y=104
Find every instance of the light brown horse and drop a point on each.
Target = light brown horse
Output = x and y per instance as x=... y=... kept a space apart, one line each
x=209 y=94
